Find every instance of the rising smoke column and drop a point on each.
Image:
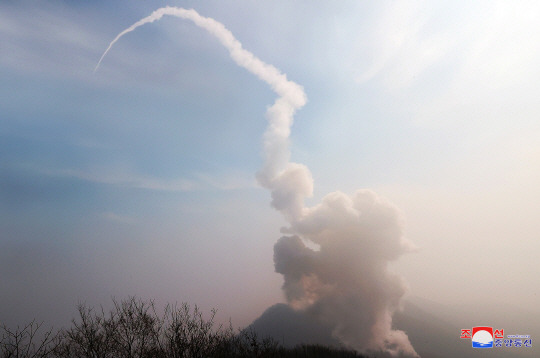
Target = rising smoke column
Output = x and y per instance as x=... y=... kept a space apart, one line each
x=346 y=283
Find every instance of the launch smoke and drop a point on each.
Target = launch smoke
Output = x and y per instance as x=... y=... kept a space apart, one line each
x=346 y=283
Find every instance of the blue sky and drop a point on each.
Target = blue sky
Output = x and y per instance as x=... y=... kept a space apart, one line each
x=140 y=178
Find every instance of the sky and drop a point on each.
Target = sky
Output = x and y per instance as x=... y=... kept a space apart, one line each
x=139 y=179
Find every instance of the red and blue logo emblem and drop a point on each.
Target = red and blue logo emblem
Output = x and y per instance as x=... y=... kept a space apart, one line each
x=482 y=337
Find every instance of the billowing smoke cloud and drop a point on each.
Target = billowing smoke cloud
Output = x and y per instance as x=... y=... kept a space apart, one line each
x=345 y=284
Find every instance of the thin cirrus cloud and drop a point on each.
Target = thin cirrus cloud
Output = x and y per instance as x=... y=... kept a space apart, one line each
x=482 y=53
x=22 y=30
x=126 y=179
x=399 y=51
x=118 y=218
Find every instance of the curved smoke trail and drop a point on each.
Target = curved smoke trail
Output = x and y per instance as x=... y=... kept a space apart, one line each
x=346 y=283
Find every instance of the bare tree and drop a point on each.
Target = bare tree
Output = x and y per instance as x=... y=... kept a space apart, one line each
x=27 y=342
x=134 y=329
x=132 y=326
x=89 y=337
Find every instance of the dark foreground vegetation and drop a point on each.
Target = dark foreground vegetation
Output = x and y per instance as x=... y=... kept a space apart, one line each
x=134 y=329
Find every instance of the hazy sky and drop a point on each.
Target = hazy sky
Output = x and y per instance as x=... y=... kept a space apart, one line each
x=140 y=179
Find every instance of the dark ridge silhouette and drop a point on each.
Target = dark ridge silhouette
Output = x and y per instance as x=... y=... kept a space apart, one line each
x=291 y=328
x=434 y=335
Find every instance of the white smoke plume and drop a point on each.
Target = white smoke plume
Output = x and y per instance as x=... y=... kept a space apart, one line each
x=346 y=283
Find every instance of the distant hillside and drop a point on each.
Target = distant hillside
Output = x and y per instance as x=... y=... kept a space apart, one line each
x=291 y=328
x=433 y=329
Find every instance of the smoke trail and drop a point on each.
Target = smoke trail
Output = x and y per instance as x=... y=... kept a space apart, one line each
x=276 y=170
x=346 y=283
